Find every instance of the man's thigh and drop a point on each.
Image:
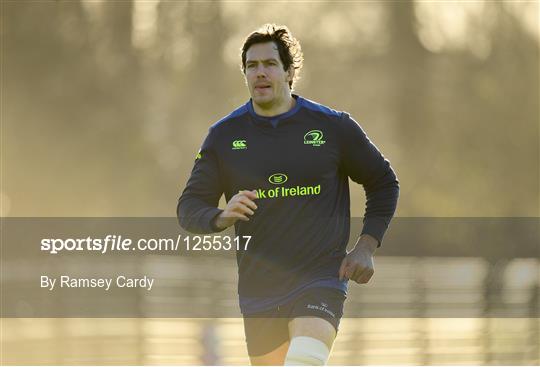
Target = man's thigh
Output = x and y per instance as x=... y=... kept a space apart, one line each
x=274 y=358
x=313 y=327
x=317 y=314
x=267 y=338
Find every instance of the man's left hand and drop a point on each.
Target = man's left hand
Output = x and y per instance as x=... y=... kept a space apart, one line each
x=358 y=264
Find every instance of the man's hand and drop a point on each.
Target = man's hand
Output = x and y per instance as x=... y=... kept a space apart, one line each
x=358 y=264
x=238 y=208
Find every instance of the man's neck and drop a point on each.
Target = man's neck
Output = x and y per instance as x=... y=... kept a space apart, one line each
x=288 y=105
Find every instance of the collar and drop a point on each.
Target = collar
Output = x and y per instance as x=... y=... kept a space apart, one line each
x=274 y=120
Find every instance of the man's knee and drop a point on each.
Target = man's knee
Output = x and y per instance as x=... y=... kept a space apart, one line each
x=306 y=351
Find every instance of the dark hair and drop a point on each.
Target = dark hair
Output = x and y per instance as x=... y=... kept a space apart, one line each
x=288 y=47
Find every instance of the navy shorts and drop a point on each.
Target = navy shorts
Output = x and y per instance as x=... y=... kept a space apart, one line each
x=267 y=330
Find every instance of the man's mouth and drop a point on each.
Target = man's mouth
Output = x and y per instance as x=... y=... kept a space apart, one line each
x=262 y=87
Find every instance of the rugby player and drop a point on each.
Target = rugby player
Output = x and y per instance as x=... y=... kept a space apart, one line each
x=284 y=163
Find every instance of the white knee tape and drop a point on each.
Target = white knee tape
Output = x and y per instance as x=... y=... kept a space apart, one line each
x=306 y=351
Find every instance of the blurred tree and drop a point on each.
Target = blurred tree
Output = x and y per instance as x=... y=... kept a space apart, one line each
x=205 y=25
x=507 y=114
x=206 y=81
x=407 y=67
x=119 y=25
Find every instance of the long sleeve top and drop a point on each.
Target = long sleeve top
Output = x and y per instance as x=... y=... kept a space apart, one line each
x=299 y=163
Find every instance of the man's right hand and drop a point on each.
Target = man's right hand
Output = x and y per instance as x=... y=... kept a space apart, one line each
x=238 y=208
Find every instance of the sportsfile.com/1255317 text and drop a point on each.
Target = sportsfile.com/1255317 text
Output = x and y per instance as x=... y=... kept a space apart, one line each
x=115 y=242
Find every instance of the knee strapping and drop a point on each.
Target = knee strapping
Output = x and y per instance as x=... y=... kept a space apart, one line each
x=306 y=351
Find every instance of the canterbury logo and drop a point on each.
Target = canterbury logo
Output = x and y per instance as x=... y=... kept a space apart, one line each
x=314 y=138
x=239 y=144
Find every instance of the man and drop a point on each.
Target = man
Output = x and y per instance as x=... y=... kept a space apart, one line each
x=283 y=163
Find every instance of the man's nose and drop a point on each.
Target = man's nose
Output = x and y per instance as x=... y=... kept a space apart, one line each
x=261 y=70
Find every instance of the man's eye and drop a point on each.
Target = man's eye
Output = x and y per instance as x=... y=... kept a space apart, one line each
x=250 y=66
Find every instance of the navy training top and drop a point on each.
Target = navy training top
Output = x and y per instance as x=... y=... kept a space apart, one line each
x=299 y=163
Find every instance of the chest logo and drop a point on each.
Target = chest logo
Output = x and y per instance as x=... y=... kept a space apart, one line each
x=314 y=138
x=239 y=144
x=278 y=178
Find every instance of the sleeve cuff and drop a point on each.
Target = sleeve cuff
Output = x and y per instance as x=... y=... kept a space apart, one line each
x=375 y=227
x=210 y=216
